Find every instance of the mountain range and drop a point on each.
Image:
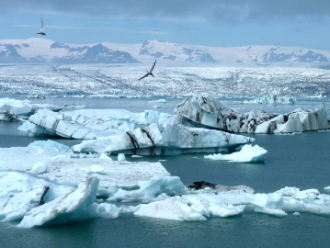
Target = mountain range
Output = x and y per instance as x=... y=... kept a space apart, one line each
x=38 y=50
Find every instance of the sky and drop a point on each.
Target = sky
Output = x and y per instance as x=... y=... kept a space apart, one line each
x=218 y=23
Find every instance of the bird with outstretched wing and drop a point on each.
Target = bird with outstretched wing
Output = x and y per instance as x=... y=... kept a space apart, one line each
x=42 y=27
x=149 y=72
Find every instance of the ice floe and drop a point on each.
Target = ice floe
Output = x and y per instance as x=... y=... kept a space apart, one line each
x=272 y=99
x=166 y=139
x=6 y=115
x=36 y=201
x=211 y=113
x=248 y=153
x=89 y=123
x=24 y=108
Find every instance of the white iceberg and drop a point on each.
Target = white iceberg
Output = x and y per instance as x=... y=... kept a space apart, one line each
x=167 y=139
x=211 y=113
x=272 y=99
x=24 y=108
x=6 y=115
x=149 y=190
x=69 y=207
x=21 y=192
x=248 y=153
x=61 y=165
x=159 y=101
x=89 y=123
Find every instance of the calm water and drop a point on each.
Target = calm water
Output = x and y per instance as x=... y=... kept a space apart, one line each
x=302 y=160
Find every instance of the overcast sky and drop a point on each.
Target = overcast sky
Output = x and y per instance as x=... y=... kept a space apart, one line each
x=223 y=23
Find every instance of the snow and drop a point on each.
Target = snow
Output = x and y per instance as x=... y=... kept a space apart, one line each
x=39 y=168
x=121 y=157
x=248 y=153
x=208 y=111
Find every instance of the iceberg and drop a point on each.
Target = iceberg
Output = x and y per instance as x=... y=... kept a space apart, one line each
x=24 y=108
x=157 y=186
x=6 y=115
x=211 y=113
x=36 y=201
x=158 y=101
x=57 y=163
x=89 y=123
x=21 y=192
x=72 y=206
x=164 y=140
x=248 y=153
x=272 y=99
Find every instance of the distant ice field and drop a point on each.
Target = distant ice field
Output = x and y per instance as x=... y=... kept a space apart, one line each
x=107 y=80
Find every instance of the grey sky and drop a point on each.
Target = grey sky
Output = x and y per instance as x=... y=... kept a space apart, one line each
x=202 y=22
x=215 y=10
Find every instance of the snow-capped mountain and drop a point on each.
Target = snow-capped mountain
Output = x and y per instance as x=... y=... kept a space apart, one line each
x=37 y=50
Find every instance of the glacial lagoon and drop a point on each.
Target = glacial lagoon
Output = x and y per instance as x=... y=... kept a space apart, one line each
x=300 y=160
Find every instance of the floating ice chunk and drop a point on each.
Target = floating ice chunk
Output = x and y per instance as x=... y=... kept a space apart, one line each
x=24 y=108
x=32 y=130
x=105 y=156
x=248 y=153
x=6 y=115
x=171 y=209
x=288 y=191
x=90 y=124
x=95 y=169
x=210 y=112
x=327 y=189
x=296 y=213
x=269 y=204
x=272 y=99
x=51 y=145
x=70 y=207
x=39 y=168
x=151 y=189
x=20 y=192
x=106 y=210
x=159 y=101
x=167 y=139
x=136 y=156
x=121 y=157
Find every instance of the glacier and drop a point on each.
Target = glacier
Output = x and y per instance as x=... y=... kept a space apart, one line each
x=209 y=112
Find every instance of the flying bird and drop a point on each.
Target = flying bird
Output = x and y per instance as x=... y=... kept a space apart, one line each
x=42 y=27
x=150 y=72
